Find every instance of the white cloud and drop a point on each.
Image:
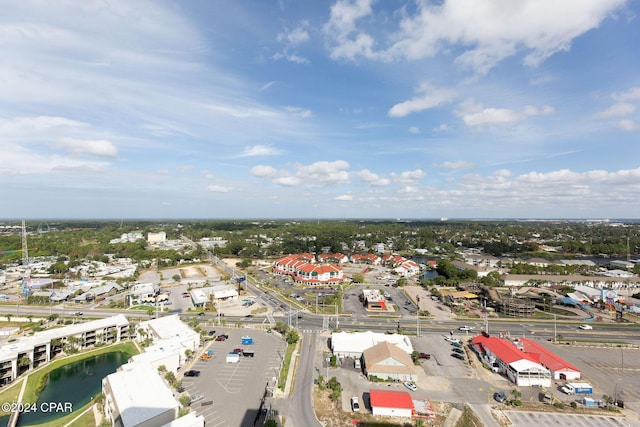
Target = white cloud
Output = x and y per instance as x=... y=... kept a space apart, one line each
x=321 y=173
x=101 y=148
x=441 y=128
x=628 y=125
x=218 y=189
x=298 y=112
x=430 y=97
x=291 y=57
x=292 y=39
x=476 y=114
x=616 y=110
x=409 y=177
x=296 y=36
x=288 y=181
x=324 y=172
x=260 y=150
x=344 y=14
x=262 y=171
x=372 y=179
x=408 y=189
x=29 y=125
x=531 y=193
x=344 y=197
x=267 y=85
x=414 y=130
x=488 y=32
x=150 y=78
x=633 y=94
x=625 y=105
x=460 y=164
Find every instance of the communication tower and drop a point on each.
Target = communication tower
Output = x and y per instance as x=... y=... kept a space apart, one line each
x=25 y=249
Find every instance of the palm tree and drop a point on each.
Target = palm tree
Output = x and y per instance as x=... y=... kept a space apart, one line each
x=517 y=394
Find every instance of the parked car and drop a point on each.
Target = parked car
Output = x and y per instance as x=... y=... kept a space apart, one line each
x=456 y=344
x=585 y=327
x=499 y=396
x=355 y=405
x=424 y=356
x=192 y=373
x=458 y=356
x=238 y=350
x=201 y=313
x=465 y=328
x=211 y=333
x=221 y=338
x=411 y=386
x=249 y=315
x=458 y=350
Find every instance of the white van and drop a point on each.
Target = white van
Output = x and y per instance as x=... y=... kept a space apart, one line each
x=356 y=363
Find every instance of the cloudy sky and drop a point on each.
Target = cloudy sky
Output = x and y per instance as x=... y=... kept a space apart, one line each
x=320 y=109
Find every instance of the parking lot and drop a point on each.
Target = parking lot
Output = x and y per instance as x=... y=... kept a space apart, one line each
x=543 y=419
x=232 y=391
x=611 y=371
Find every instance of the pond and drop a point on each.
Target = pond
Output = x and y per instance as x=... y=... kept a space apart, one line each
x=70 y=387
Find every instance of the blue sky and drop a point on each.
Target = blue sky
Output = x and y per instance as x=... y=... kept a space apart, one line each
x=320 y=109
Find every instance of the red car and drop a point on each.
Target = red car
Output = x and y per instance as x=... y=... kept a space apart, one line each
x=221 y=338
x=238 y=350
x=425 y=356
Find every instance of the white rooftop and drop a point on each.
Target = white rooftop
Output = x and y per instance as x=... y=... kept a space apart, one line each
x=140 y=394
x=189 y=420
x=357 y=342
x=43 y=337
x=169 y=327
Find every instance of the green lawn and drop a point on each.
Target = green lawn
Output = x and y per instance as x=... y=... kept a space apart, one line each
x=286 y=364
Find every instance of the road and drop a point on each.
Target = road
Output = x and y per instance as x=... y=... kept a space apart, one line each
x=298 y=407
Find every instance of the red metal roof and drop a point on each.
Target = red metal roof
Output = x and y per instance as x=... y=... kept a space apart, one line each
x=391 y=399
x=503 y=349
x=546 y=358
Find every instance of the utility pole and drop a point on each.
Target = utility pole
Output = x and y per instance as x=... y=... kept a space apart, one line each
x=418 y=316
x=555 y=333
x=337 y=319
x=486 y=318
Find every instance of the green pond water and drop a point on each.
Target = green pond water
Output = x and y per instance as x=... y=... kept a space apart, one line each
x=70 y=387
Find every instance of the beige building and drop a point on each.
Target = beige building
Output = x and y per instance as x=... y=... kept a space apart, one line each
x=388 y=362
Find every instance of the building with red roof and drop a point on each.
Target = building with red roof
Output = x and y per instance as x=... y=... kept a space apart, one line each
x=522 y=368
x=391 y=403
x=402 y=266
x=372 y=259
x=302 y=271
x=337 y=258
x=560 y=368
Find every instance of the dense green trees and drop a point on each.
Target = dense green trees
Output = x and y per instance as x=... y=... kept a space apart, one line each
x=78 y=240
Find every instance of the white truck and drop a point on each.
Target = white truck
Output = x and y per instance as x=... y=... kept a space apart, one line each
x=577 y=388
